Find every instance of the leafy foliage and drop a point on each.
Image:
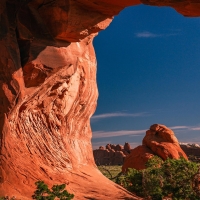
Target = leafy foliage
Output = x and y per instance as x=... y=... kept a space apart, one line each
x=178 y=178
x=44 y=193
x=172 y=178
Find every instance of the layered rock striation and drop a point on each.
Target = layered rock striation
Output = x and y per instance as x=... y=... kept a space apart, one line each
x=160 y=141
x=48 y=93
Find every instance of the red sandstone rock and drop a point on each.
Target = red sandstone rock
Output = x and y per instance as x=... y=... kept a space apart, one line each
x=127 y=147
x=112 y=155
x=162 y=141
x=185 y=7
x=137 y=158
x=48 y=93
x=159 y=141
x=118 y=147
x=191 y=149
x=101 y=148
x=102 y=156
x=125 y=152
x=119 y=158
x=108 y=146
x=111 y=150
x=113 y=146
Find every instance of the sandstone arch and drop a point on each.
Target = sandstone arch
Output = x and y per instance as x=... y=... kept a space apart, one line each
x=48 y=93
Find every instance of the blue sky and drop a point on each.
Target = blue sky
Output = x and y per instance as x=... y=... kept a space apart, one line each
x=147 y=72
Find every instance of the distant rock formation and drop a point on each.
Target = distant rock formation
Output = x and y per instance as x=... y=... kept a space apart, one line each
x=127 y=147
x=159 y=140
x=111 y=154
x=191 y=149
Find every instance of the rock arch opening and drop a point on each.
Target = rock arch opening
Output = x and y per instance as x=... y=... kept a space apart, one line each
x=147 y=74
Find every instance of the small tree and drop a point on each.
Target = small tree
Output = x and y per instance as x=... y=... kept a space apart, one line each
x=163 y=178
x=44 y=193
x=178 y=178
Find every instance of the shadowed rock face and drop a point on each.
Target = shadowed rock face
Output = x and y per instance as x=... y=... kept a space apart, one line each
x=191 y=149
x=111 y=154
x=137 y=158
x=48 y=93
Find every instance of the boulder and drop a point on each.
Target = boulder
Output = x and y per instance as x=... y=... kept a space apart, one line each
x=137 y=158
x=162 y=141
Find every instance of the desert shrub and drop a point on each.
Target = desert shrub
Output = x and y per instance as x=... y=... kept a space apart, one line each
x=163 y=178
x=178 y=178
x=57 y=191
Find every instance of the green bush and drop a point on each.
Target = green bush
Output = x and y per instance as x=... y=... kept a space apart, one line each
x=163 y=178
x=44 y=193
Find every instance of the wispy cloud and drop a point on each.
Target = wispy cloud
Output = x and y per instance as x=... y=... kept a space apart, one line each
x=104 y=134
x=179 y=127
x=118 y=114
x=190 y=141
x=147 y=34
x=195 y=128
x=189 y=128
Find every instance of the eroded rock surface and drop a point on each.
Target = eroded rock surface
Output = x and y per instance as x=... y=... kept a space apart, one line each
x=48 y=93
x=160 y=141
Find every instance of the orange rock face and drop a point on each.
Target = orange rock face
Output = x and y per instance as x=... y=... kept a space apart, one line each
x=137 y=158
x=160 y=141
x=48 y=93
